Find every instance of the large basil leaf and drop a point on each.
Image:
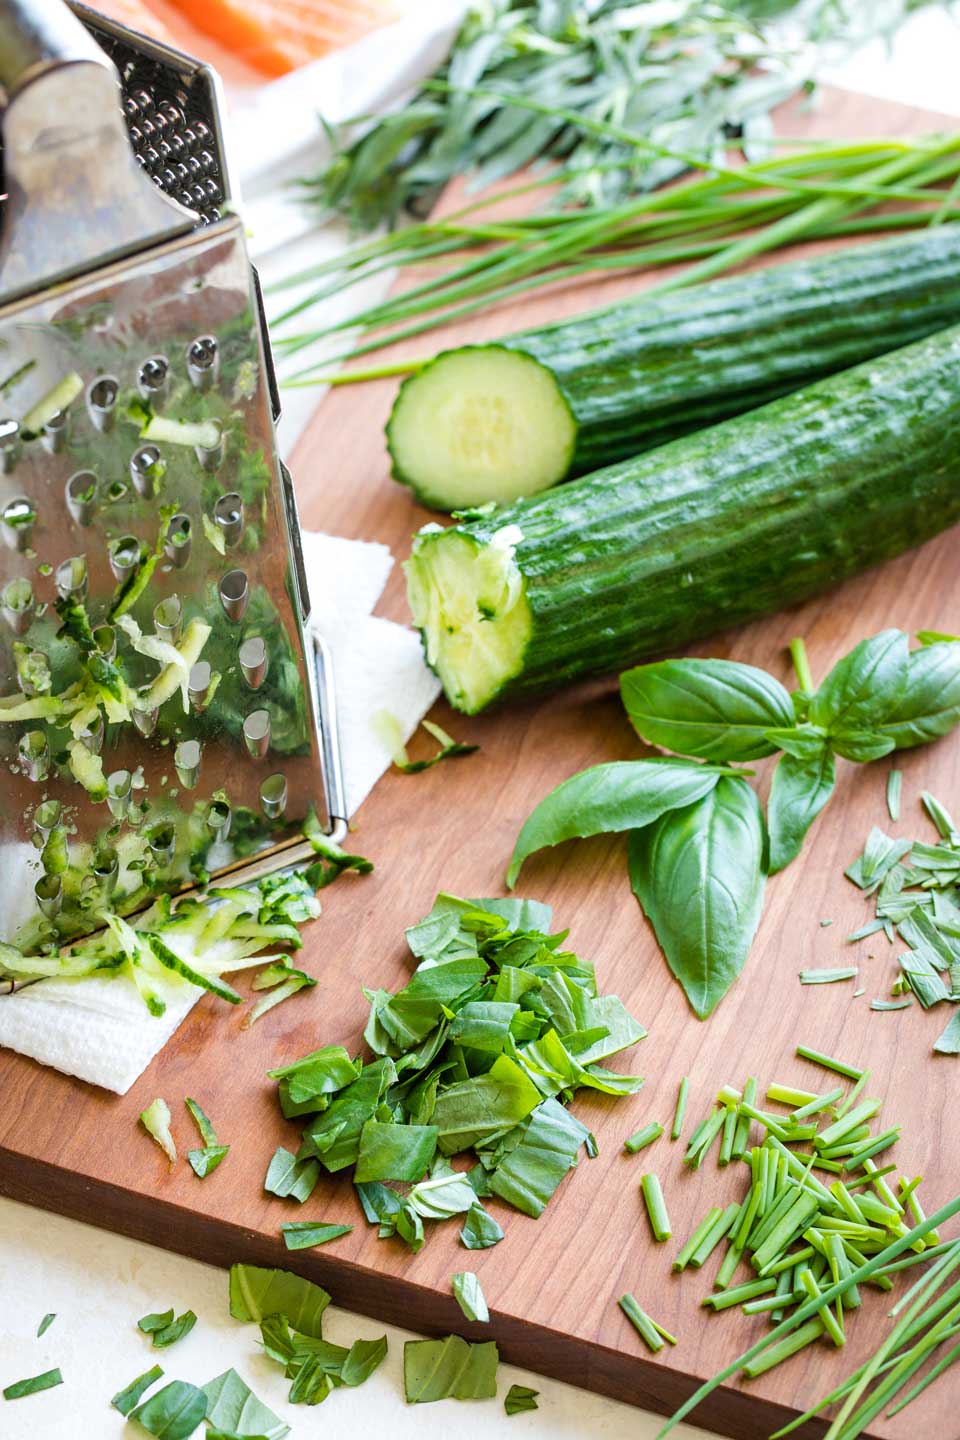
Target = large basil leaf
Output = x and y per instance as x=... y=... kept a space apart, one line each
x=864 y=687
x=256 y=1291
x=798 y=792
x=699 y=875
x=711 y=709
x=174 y=1412
x=530 y=1171
x=621 y=795
x=930 y=706
x=451 y=1368
x=232 y=1405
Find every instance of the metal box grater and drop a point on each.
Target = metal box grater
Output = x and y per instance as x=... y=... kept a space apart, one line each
x=163 y=719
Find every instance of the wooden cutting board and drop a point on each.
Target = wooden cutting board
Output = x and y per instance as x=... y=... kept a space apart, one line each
x=552 y=1284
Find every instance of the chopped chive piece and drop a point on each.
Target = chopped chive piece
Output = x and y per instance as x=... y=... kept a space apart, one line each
x=903 y=1004
x=894 y=787
x=916 y=1209
x=796 y=1257
x=702 y=1230
x=126 y=1399
x=827 y=977
x=652 y=1334
x=592 y=1149
x=702 y=1138
x=730 y=1123
x=825 y=923
x=731 y=1259
x=789 y=1095
x=939 y=815
x=681 y=1109
x=865 y=931
x=45 y=1324
x=840 y=1067
x=792 y=1223
x=726 y=1299
x=33 y=1385
x=643 y=1137
x=873 y=1147
x=857 y=993
x=854 y=1095
x=817 y=1104
x=742 y=1137
x=840 y=1129
x=656 y=1207
x=830 y=1322
x=710 y=1241
x=769 y=1302
x=770 y=1122
x=786 y=1347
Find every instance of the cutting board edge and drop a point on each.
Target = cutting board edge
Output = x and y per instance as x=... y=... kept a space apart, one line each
x=737 y=1414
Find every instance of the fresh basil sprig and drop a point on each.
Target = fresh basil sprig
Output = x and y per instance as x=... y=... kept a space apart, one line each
x=699 y=849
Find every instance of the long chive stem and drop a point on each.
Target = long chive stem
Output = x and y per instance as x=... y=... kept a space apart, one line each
x=840 y=1067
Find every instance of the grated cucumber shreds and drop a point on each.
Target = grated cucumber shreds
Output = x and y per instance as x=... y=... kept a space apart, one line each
x=196 y=943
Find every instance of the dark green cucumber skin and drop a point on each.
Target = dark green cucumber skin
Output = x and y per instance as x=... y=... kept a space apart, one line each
x=648 y=370
x=738 y=520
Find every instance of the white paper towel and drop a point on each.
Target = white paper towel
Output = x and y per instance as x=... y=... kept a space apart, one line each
x=99 y=1029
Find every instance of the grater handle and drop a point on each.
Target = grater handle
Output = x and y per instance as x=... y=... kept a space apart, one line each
x=38 y=34
x=77 y=199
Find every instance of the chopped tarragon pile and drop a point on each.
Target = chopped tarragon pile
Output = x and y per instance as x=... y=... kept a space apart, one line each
x=916 y=892
x=480 y=1052
x=197 y=940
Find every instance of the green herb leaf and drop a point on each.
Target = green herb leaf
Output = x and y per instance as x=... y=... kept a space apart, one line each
x=293 y=982
x=480 y=1230
x=698 y=873
x=930 y=704
x=45 y=1324
x=256 y=1292
x=35 y=1384
x=621 y=795
x=363 y=1358
x=520 y=1398
x=171 y=1333
x=207 y=1132
x=322 y=1072
x=469 y=1296
x=716 y=710
x=304 y=1234
x=546 y=1149
x=335 y=1134
x=949 y=1042
x=174 y=1412
x=156 y=1121
x=862 y=689
x=449 y=1369
x=232 y=1405
x=153 y=1323
x=798 y=792
x=126 y=1399
x=476 y=1111
x=395 y=1152
x=204 y=1162
x=291 y=1178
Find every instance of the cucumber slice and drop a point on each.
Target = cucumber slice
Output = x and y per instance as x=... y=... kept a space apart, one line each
x=478 y=424
x=468 y=601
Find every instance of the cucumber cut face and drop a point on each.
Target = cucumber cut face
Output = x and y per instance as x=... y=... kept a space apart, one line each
x=478 y=424
x=468 y=601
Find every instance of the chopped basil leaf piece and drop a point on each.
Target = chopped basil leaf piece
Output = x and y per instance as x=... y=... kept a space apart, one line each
x=469 y=1296
x=520 y=1398
x=256 y=1292
x=156 y=1121
x=204 y=1162
x=126 y=1399
x=207 y=1133
x=232 y=1405
x=45 y=1324
x=170 y=1334
x=291 y=1178
x=303 y=1234
x=174 y=1412
x=451 y=1368
x=156 y=1321
x=480 y=1230
x=33 y=1385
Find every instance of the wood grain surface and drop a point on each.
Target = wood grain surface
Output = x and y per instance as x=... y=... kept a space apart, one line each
x=552 y=1284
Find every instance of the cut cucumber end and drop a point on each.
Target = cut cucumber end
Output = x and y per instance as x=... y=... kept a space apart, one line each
x=467 y=599
x=479 y=424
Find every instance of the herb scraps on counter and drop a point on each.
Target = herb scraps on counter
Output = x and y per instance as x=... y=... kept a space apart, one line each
x=480 y=1051
x=700 y=848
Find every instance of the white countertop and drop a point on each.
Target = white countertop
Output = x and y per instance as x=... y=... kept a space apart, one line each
x=100 y=1284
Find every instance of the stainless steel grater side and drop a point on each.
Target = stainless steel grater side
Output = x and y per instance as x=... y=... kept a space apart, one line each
x=164 y=718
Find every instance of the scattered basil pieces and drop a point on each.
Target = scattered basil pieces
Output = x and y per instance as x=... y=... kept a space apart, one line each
x=698 y=873
x=480 y=1230
x=291 y=1178
x=717 y=710
x=469 y=1296
x=449 y=1369
x=621 y=795
x=176 y=1330
x=45 y=1324
x=395 y=1152
x=156 y=1121
x=126 y=1399
x=304 y=1234
x=520 y=1398
x=232 y=1406
x=155 y=1322
x=256 y=1292
x=33 y=1385
x=174 y=1412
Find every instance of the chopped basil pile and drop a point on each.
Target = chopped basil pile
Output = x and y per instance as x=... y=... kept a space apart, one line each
x=289 y=1311
x=700 y=847
x=915 y=888
x=480 y=1051
x=197 y=941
